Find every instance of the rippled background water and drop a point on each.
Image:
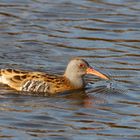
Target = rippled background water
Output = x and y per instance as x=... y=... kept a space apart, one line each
x=43 y=35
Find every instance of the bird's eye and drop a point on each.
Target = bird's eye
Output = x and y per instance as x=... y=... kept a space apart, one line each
x=82 y=65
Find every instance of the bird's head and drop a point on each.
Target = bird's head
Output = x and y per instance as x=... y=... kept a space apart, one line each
x=78 y=67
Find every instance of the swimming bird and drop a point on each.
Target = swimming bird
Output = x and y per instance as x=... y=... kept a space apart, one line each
x=73 y=78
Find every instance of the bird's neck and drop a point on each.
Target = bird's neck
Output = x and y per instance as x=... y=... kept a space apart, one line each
x=75 y=81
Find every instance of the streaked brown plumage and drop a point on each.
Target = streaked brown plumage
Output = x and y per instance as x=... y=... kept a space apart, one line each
x=43 y=82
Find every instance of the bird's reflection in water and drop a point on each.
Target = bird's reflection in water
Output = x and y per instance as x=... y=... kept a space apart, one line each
x=83 y=99
x=95 y=95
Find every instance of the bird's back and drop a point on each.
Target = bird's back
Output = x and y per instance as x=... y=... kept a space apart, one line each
x=34 y=81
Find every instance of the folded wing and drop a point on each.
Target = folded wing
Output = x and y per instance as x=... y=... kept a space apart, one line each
x=24 y=81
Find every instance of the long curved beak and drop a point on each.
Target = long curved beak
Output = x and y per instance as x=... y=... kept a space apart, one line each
x=92 y=71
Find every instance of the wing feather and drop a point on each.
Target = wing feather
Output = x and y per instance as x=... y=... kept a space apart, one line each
x=35 y=86
x=18 y=79
x=34 y=81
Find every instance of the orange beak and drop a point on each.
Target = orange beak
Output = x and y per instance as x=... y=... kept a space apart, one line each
x=94 y=72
